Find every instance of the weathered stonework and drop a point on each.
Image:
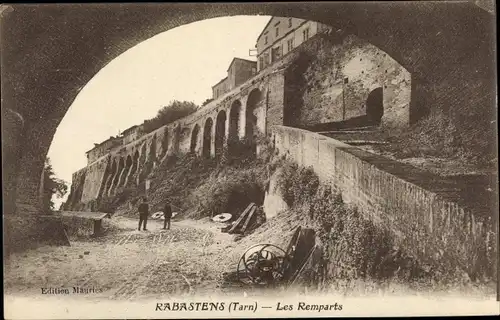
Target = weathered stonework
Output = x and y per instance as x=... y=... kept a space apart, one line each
x=259 y=101
x=335 y=78
x=328 y=79
x=423 y=211
x=94 y=179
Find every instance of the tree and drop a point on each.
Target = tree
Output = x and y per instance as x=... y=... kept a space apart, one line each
x=168 y=114
x=52 y=186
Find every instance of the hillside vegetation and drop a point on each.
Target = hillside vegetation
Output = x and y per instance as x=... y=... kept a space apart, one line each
x=357 y=249
x=354 y=247
x=199 y=187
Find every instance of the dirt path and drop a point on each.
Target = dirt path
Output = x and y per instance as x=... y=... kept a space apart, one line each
x=189 y=259
x=126 y=263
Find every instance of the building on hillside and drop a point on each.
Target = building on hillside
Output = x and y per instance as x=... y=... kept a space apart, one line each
x=281 y=35
x=101 y=149
x=239 y=71
x=220 y=88
x=131 y=134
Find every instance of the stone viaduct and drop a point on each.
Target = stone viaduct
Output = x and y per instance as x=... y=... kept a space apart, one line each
x=240 y=113
x=51 y=51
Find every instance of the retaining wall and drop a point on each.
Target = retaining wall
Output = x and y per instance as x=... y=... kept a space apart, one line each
x=423 y=211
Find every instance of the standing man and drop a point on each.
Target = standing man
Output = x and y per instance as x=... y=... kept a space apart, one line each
x=167 y=213
x=143 y=213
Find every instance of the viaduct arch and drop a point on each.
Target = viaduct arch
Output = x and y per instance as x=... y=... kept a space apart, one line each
x=44 y=68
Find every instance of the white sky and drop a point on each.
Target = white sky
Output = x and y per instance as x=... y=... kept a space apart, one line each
x=180 y=64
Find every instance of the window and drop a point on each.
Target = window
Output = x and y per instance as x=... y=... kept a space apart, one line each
x=265 y=40
x=266 y=59
x=290 y=44
x=305 y=33
x=276 y=53
x=261 y=62
x=277 y=32
x=289 y=22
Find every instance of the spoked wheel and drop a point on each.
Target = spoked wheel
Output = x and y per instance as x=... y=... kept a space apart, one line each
x=261 y=264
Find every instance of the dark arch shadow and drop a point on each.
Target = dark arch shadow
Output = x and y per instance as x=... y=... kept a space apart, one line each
x=220 y=133
x=234 y=120
x=254 y=115
x=194 y=138
x=375 y=106
x=207 y=138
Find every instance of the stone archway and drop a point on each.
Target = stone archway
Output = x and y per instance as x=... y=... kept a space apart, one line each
x=176 y=138
x=128 y=169
x=142 y=163
x=165 y=141
x=207 y=138
x=135 y=165
x=220 y=133
x=375 y=106
x=254 y=115
x=194 y=138
x=118 y=177
x=112 y=175
x=457 y=72
x=152 y=150
x=234 y=121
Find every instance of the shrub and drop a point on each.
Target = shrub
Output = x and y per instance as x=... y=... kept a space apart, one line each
x=177 y=177
x=238 y=151
x=298 y=185
x=354 y=246
x=229 y=190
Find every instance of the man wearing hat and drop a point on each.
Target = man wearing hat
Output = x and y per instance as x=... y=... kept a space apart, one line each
x=143 y=213
x=167 y=213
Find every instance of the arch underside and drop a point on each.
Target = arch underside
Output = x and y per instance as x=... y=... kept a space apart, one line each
x=450 y=54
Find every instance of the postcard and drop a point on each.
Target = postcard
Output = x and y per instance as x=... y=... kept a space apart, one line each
x=256 y=160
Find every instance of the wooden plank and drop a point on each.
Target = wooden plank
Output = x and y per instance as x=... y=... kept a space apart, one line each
x=247 y=222
x=241 y=217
